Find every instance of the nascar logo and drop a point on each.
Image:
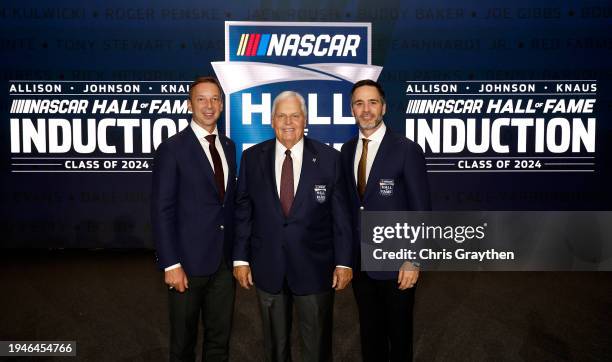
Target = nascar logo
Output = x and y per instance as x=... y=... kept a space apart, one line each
x=296 y=44
x=320 y=60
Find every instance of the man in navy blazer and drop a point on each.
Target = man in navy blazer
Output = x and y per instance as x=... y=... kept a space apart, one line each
x=293 y=236
x=385 y=172
x=192 y=214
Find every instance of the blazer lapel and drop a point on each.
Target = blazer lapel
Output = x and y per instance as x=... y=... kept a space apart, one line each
x=309 y=166
x=377 y=165
x=351 y=167
x=201 y=159
x=269 y=173
x=230 y=157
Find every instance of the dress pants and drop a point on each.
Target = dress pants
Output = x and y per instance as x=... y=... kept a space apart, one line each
x=212 y=298
x=385 y=319
x=315 y=314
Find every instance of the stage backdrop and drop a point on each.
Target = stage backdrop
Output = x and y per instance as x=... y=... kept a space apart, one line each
x=511 y=102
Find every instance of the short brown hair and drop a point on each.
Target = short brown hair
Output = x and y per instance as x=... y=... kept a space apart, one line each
x=199 y=80
x=371 y=83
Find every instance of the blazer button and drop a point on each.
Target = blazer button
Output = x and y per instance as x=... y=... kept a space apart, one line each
x=221 y=227
x=361 y=208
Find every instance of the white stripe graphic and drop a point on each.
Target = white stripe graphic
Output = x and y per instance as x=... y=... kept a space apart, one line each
x=415 y=106
x=347 y=71
x=236 y=76
x=27 y=106
x=422 y=106
x=20 y=106
x=409 y=108
x=240 y=45
x=244 y=44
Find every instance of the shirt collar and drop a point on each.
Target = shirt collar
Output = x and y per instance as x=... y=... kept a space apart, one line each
x=201 y=132
x=296 y=150
x=378 y=135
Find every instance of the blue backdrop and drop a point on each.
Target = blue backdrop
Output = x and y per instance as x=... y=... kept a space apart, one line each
x=155 y=43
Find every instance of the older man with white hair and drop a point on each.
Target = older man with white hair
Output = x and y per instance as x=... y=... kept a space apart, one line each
x=293 y=238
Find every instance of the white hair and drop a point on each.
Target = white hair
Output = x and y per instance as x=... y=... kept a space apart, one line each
x=289 y=94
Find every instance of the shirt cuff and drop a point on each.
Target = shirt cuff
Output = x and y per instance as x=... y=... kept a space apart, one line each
x=177 y=265
x=240 y=263
x=344 y=267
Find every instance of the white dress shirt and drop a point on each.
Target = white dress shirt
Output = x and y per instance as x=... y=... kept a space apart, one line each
x=201 y=134
x=375 y=140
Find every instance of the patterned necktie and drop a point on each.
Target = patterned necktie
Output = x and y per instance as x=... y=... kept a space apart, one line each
x=218 y=166
x=286 y=184
x=361 y=169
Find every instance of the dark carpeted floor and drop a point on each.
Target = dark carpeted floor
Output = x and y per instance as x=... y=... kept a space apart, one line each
x=113 y=303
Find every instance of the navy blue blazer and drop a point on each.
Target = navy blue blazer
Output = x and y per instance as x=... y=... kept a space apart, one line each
x=400 y=162
x=191 y=225
x=305 y=247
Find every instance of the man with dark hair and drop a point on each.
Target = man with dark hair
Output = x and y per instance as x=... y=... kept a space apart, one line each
x=375 y=158
x=206 y=79
x=192 y=214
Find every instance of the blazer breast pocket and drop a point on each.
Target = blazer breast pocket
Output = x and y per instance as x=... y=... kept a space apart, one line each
x=386 y=187
x=321 y=193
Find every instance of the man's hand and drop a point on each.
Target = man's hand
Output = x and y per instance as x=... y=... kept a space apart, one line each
x=342 y=276
x=177 y=279
x=408 y=276
x=242 y=273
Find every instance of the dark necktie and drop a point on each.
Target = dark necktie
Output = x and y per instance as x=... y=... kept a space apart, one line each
x=361 y=169
x=286 y=184
x=218 y=166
